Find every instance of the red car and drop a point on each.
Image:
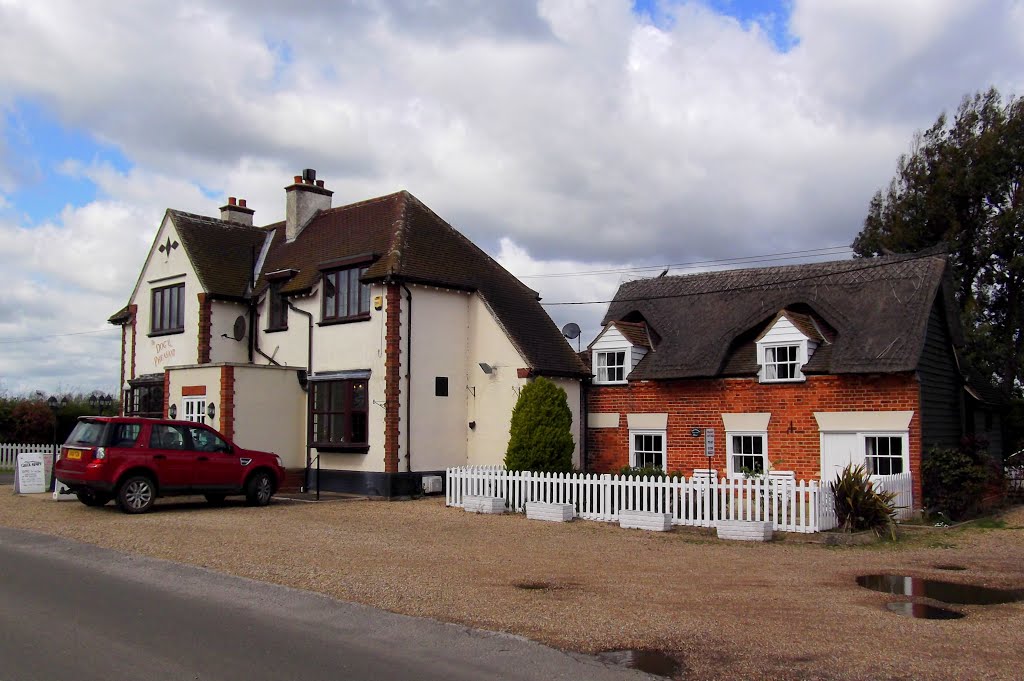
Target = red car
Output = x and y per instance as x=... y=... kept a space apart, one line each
x=135 y=460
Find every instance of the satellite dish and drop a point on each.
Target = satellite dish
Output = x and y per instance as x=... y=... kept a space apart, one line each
x=571 y=330
x=238 y=332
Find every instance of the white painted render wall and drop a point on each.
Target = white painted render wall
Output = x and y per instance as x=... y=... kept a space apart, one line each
x=153 y=354
x=270 y=413
x=440 y=347
x=222 y=323
x=197 y=375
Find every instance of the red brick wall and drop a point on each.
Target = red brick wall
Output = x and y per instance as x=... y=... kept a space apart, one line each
x=793 y=438
x=392 y=377
x=205 y=327
x=167 y=394
x=227 y=401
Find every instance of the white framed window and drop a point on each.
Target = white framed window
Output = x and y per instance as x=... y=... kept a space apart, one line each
x=647 y=448
x=885 y=453
x=782 y=363
x=194 y=409
x=611 y=366
x=747 y=453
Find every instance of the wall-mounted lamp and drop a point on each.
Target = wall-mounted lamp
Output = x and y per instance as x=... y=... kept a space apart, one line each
x=472 y=425
x=486 y=368
x=172 y=411
x=211 y=410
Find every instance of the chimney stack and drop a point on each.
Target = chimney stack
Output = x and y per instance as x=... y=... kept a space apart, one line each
x=305 y=198
x=236 y=211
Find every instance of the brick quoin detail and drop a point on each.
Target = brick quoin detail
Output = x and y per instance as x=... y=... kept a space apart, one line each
x=392 y=377
x=205 y=327
x=167 y=394
x=227 y=402
x=120 y=386
x=133 y=312
x=794 y=442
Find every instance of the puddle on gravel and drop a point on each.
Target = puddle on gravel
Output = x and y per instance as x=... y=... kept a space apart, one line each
x=922 y=611
x=650 y=661
x=947 y=592
x=950 y=567
x=534 y=586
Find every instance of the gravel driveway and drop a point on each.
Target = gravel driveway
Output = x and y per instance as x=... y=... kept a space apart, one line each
x=726 y=610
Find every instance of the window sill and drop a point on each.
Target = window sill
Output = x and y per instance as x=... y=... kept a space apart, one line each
x=277 y=329
x=802 y=379
x=171 y=332
x=345 y=320
x=341 y=449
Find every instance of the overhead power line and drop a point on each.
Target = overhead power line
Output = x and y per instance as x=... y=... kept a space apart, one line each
x=749 y=259
x=55 y=335
x=730 y=289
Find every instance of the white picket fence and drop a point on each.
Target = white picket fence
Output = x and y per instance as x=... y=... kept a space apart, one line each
x=9 y=453
x=791 y=506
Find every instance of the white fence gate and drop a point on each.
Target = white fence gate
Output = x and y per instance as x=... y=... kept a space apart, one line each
x=790 y=506
x=9 y=453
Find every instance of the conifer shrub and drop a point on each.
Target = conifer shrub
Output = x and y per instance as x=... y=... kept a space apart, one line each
x=954 y=479
x=540 y=435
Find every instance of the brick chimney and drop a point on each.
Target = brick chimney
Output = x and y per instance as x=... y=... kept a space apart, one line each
x=236 y=211
x=306 y=198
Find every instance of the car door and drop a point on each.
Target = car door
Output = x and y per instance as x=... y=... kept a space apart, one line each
x=172 y=457
x=217 y=468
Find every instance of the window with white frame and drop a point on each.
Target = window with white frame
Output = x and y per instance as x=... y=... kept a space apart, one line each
x=194 y=409
x=611 y=366
x=884 y=454
x=782 y=363
x=747 y=453
x=647 y=448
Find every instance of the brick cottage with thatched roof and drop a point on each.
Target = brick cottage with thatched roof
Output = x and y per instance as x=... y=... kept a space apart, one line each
x=798 y=369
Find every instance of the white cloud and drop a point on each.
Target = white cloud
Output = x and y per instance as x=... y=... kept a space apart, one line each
x=558 y=134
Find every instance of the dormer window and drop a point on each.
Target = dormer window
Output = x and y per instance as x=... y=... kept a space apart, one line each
x=617 y=350
x=782 y=363
x=786 y=345
x=610 y=365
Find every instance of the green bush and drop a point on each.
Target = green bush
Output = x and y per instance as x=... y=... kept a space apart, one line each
x=859 y=506
x=954 y=480
x=540 y=435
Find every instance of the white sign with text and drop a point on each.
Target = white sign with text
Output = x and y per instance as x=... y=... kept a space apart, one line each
x=31 y=475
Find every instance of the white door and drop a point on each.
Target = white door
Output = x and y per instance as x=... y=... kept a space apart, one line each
x=839 y=450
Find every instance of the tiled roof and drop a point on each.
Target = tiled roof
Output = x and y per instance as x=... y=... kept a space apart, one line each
x=877 y=307
x=223 y=253
x=414 y=245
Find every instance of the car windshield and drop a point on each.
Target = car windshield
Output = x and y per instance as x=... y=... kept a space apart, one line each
x=87 y=433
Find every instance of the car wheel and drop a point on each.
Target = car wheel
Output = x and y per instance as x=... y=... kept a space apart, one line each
x=215 y=499
x=259 y=489
x=136 y=494
x=92 y=498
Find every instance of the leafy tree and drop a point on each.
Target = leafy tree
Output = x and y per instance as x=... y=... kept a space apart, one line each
x=33 y=422
x=962 y=186
x=540 y=437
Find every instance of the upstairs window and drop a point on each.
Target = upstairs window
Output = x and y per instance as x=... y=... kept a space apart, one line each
x=611 y=366
x=278 y=307
x=345 y=297
x=168 y=310
x=782 y=363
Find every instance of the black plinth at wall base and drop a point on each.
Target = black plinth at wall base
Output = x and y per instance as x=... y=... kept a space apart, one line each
x=371 y=484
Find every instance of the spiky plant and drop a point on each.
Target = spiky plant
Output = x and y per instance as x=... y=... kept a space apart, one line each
x=859 y=506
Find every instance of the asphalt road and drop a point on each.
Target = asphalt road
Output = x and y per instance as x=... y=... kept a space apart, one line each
x=75 y=611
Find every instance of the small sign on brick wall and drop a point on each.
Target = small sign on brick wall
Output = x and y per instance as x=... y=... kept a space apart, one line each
x=709 y=442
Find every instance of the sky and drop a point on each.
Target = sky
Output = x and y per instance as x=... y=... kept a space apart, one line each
x=582 y=143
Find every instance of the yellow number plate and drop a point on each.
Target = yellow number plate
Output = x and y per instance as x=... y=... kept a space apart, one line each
x=74 y=454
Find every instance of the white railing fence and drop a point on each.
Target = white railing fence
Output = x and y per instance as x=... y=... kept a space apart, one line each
x=9 y=453
x=790 y=505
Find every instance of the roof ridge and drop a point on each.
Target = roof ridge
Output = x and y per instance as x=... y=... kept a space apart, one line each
x=827 y=267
